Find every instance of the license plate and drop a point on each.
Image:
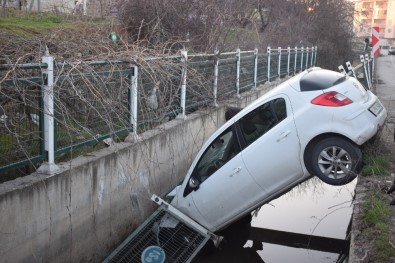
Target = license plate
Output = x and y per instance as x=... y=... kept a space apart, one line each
x=376 y=108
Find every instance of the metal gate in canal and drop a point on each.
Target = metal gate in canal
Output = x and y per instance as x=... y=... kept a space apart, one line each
x=311 y=223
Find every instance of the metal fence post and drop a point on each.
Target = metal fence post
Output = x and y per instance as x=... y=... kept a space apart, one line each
x=350 y=68
x=238 y=72
x=215 y=81
x=133 y=94
x=296 y=59
x=268 y=64
x=370 y=73
x=315 y=56
x=255 y=67
x=289 y=59
x=49 y=122
x=307 y=57
x=342 y=70
x=312 y=57
x=371 y=67
x=365 y=68
x=301 y=59
x=279 y=62
x=184 y=61
x=132 y=137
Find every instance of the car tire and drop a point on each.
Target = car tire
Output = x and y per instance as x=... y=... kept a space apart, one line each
x=335 y=161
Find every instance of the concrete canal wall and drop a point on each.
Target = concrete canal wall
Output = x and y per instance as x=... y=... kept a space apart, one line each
x=84 y=211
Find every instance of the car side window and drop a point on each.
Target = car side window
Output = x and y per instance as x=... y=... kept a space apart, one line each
x=280 y=109
x=257 y=122
x=221 y=150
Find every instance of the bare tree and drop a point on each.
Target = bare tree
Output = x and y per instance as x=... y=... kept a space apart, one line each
x=331 y=28
x=325 y=23
x=202 y=23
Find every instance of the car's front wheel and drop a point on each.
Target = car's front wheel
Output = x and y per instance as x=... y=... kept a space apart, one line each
x=335 y=161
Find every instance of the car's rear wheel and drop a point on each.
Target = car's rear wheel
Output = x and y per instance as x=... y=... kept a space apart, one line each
x=335 y=161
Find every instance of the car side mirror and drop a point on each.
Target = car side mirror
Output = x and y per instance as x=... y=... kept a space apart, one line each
x=193 y=183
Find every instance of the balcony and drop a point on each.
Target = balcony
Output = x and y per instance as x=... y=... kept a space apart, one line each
x=380 y=16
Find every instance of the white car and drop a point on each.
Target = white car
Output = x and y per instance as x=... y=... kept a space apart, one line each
x=311 y=124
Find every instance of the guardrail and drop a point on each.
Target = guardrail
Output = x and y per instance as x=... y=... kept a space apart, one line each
x=51 y=111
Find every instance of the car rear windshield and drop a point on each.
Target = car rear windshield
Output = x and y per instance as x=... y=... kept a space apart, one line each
x=320 y=80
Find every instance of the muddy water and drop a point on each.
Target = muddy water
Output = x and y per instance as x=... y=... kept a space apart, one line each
x=308 y=224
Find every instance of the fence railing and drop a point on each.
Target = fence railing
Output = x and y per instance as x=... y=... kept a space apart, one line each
x=49 y=110
x=363 y=71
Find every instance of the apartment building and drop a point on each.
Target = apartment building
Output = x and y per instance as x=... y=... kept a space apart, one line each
x=370 y=13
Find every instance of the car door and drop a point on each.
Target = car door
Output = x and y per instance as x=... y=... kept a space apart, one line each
x=272 y=148
x=225 y=188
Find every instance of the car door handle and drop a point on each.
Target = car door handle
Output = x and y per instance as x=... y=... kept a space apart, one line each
x=235 y=171
x=283 y=135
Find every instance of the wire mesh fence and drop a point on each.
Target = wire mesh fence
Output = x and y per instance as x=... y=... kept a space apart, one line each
x=226 y=78
x=200 y=81
x=299 y=62
x=90 y=106
x=283 y=61
x=97 y=100
x=273 y=65
x=21 y=126
x=159 y=89
x=247 y=69
x=262 y=66
x=179 y=244
x=292 y=62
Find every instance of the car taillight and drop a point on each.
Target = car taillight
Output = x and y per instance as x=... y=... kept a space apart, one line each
x=331 y=99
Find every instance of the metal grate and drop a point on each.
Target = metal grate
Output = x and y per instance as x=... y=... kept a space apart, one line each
x=180 y=244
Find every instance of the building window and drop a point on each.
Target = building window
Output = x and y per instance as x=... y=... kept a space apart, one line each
x=380 y=3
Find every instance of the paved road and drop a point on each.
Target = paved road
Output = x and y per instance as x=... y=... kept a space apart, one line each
x=385 y=78
x=385 y=90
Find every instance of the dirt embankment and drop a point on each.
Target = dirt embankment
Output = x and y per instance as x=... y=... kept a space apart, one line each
x=373 y=227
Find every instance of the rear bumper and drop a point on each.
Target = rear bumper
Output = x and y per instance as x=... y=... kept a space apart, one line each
x=369 y=125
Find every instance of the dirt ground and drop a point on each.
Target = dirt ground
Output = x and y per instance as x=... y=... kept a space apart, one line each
x=364 y=237
x=362 y=241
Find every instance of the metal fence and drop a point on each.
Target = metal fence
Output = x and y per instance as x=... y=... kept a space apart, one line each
x=363 y=71
x=50 y=110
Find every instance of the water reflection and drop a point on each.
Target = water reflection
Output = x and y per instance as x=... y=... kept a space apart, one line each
x=308 y=224
x=312 y=208
x=234 y=248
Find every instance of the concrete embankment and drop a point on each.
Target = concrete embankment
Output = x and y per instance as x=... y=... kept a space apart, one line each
x=95 y=201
